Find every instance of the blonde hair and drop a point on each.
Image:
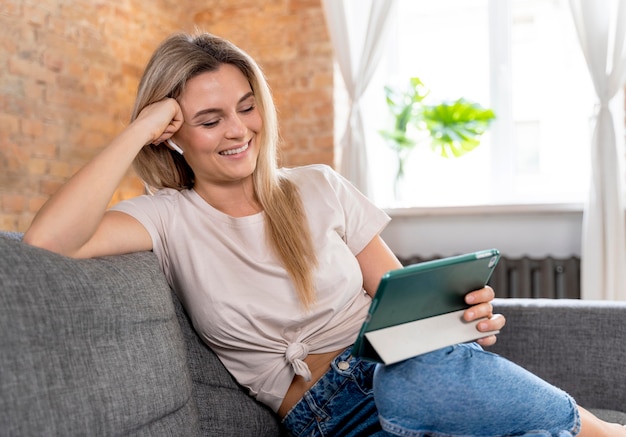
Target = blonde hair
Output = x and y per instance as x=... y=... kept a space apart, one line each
x=178 y=59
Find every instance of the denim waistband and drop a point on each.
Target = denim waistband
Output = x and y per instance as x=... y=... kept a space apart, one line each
x=330 y=382
x=345 y=369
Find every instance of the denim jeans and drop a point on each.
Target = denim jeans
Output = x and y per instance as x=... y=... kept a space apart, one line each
x=456 y=391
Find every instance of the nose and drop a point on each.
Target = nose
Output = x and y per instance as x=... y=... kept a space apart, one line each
x=236 y=128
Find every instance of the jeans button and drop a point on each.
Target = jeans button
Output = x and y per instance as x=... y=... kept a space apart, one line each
x=343 y=365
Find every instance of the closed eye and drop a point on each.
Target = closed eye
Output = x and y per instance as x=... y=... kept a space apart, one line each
x=210 y=123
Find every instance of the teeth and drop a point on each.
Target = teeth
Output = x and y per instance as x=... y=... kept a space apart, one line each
x=235 y=151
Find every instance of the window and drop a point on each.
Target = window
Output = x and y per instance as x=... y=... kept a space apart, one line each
x=519 y=57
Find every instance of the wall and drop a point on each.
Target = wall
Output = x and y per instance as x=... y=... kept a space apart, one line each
x=69 y=71
x=289 y=39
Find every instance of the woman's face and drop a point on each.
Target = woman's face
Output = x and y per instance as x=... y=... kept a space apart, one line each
x=221 y=123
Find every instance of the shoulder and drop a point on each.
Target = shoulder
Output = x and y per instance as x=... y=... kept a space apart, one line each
x=164 y=195
x=313 y=174
x=170 y=195
x=310 y=169
x=157 y=203
x=319 y=183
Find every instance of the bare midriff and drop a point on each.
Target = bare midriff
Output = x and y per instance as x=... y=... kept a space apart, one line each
x=318 y=365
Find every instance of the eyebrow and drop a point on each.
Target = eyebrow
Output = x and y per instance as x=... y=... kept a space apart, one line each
x=213 y=110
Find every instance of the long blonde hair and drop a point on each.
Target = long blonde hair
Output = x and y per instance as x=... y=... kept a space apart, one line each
x=180 y=58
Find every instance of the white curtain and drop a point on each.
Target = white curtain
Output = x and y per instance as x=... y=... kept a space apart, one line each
x=601 y=27
x=358 y=49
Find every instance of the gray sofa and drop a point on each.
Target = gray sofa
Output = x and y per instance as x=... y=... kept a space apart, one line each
x=102 y=347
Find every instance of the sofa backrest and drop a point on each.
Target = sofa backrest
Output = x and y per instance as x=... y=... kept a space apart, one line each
x=90 y=347
x=104 y=347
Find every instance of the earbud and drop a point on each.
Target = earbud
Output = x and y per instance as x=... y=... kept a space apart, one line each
x=174 y=146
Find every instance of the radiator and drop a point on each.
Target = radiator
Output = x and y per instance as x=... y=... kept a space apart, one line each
x=539 y=278
x=554 y=278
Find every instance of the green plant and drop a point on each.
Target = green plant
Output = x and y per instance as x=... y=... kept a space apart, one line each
x=452 y=128
x=455 y=127
x=404 y=106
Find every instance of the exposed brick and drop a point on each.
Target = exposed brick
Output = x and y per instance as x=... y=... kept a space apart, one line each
x=307 y=158
x=37 y=166
x=35 y=13
x=49 y=187
x=43 y=148
x=30 y=68
x=35 y=203
x=60 y=169
x=13 y=203
x=31 y=128
x=12 y=157
x=324 y=142
x=8 y=221
x=9 y=123
x=24 y=221
x=72 y=69
x=34 y=92
x=53 y=61
x=12 y=8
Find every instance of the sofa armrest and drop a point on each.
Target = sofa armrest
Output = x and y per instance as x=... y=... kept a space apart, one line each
x=577 y=345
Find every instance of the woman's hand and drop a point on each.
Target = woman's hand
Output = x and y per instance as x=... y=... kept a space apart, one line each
x=480 y=301
x=160 y=120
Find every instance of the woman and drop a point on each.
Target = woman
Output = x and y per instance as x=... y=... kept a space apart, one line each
x=276 y=266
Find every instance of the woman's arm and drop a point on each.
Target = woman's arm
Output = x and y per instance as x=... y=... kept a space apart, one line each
x=376 y=259
x=74 y=221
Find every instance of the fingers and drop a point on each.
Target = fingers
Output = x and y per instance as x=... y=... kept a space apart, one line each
x=174 y=123
x=478 y=296
x=479 y=311
x=494 y=323
x=482 y=309
x=163 y=119
x=487 y=341
x=481 y=304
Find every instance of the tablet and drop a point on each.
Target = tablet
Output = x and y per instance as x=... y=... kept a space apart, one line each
x=419 y=308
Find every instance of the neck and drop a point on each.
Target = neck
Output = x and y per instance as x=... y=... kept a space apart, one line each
x=236 y=199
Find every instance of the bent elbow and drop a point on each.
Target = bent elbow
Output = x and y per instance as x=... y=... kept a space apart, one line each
x=32 y=239
x=45 y=241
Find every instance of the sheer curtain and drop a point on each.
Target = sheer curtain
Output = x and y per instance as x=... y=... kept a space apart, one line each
x=601 y=27
x=358 y=46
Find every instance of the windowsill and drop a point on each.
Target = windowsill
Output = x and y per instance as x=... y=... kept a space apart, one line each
x=504 y=209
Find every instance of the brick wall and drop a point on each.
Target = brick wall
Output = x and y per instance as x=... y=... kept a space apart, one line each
x=69 y=71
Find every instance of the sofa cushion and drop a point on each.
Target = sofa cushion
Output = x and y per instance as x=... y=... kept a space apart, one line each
x=90 y=347
x=225 y=409
x=611 y=416
x=577 y=345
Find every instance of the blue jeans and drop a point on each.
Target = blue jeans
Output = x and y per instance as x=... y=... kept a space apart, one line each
x=456 y=391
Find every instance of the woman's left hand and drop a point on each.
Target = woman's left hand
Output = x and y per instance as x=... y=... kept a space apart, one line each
x=480 y=301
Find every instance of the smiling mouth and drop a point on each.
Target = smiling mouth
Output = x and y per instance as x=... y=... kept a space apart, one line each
x=235 y=151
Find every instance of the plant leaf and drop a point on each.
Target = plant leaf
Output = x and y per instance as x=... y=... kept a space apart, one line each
x=455 y=127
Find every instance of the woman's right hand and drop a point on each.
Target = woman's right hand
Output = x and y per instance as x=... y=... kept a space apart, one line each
x=160 y=120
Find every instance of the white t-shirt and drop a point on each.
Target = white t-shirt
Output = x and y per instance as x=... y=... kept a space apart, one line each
x=240 y=298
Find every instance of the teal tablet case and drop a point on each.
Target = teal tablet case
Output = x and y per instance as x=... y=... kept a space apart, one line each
x=424 y=290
